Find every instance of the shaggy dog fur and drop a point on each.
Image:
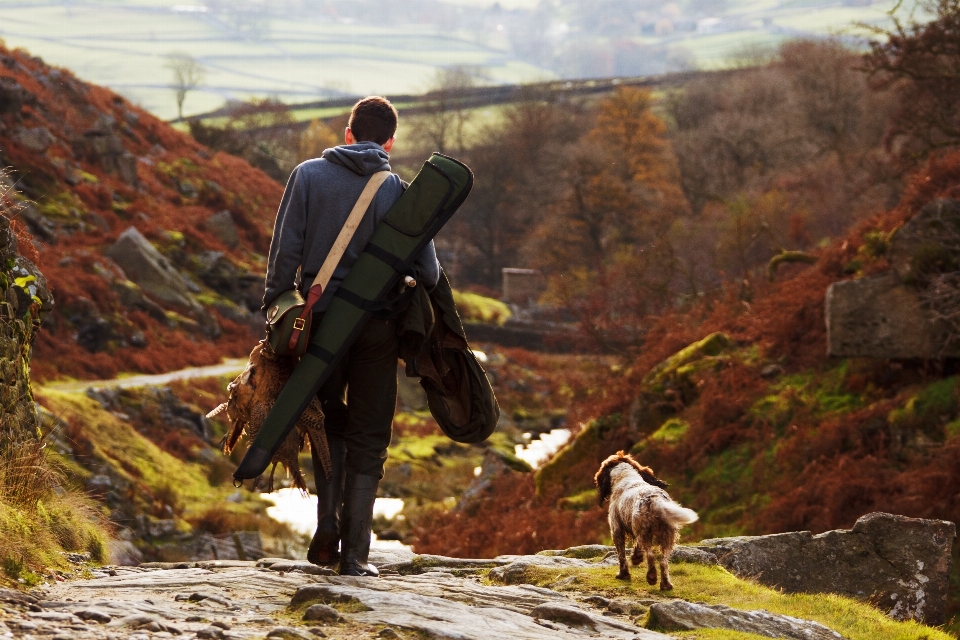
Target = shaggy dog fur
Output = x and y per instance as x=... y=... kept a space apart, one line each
x=251 y=396
x=640 y=508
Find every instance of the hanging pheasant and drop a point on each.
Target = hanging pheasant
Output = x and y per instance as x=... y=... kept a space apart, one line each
x=251 y=396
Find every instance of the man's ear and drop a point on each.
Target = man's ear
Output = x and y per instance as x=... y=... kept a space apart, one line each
x=348 y=136
x=389 y=144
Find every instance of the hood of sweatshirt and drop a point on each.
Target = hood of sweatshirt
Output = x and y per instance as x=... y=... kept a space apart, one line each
x=363 y=158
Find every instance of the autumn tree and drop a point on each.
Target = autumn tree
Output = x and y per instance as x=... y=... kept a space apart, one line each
x=187 y=74
x=317 y=137
x=921 y=61
x=517 y=162
x=778 y=157
x=606 y=244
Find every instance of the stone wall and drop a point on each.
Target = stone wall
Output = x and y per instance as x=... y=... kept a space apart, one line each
x=24 y=300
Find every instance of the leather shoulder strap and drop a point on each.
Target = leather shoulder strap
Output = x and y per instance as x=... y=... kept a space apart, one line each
x=349 y=228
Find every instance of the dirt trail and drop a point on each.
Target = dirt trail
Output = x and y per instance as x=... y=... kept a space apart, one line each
x=227 y=367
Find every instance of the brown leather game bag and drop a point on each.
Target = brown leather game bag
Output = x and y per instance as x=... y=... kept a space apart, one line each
x=289 y=316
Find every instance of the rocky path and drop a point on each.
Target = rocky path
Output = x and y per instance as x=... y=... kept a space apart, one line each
x=416 y=597
x=424 y=596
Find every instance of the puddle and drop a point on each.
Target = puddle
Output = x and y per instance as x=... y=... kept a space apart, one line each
x=537 y=451
x=299 y=512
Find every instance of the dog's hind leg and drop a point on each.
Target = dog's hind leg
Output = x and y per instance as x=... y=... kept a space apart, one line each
x=620 y=542
x=651 y=567
x=636 y=558
x=666 y=539
x=665 y=584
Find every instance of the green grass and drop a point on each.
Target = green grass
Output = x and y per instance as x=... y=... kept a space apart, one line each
x=715 y=585
x=133 y=457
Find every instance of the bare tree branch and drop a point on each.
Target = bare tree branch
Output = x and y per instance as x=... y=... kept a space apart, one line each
x=187 y=73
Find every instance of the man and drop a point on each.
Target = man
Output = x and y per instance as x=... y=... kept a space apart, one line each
x=318 y=198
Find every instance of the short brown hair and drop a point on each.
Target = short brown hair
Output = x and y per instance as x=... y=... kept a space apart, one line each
x=373 y=119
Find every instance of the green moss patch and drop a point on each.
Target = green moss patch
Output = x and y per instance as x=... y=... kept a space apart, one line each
x=929 y=408
x=582 y=501
x=670 y=432
x=476 y=308
x=715 y=585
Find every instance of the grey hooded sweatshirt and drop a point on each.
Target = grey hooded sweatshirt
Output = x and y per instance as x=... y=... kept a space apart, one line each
x=316 y=203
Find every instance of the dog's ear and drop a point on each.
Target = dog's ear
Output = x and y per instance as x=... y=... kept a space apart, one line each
x=649 y=478
x=603 y=480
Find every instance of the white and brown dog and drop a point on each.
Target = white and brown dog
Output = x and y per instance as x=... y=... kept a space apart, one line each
x=640 y=508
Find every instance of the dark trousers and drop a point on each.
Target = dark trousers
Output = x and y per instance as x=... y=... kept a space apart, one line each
x=360 y=397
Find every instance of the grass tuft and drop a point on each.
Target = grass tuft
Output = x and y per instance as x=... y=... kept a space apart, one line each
x=39 y=520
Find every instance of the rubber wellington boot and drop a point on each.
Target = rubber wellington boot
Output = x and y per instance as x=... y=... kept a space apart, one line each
x=325 y=546
x=359 y=494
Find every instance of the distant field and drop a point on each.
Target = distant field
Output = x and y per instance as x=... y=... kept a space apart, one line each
x=123 y=47
x=303 y=57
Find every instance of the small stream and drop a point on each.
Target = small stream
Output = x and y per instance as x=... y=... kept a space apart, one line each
x=299 y=511
x=538 y=451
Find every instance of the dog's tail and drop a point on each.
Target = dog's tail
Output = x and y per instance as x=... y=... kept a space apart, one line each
x=674 y=514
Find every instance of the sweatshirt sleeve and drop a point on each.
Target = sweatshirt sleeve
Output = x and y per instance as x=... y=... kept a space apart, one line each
x=286 y=246
x=429 y=266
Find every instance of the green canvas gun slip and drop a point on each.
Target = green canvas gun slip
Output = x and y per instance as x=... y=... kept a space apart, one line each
x=432 y=198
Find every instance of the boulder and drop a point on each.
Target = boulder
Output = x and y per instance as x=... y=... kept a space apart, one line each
x=321 y=613
x=882 y=316
x=131 y=296
x=239 y=545
x=20 y=319
x=221 y=225
x=123 y=554
x=899 y=564
x=925 y=239
x=13 y=96
x=678 y=615
x=878 y=317
x=36 y=139
x=147 y=267
x=104 y=146
x=153 y=273
x=495 y=464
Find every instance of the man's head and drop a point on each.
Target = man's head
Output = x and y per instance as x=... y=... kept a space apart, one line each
x=372 y=119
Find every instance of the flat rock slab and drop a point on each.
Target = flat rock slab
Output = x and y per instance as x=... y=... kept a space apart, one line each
x=522 y=598
x=899 y=564
x=678 y=615
x=437 y=617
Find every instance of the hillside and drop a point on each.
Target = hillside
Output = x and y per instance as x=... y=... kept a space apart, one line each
x=736 y=404
x=90 y=165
